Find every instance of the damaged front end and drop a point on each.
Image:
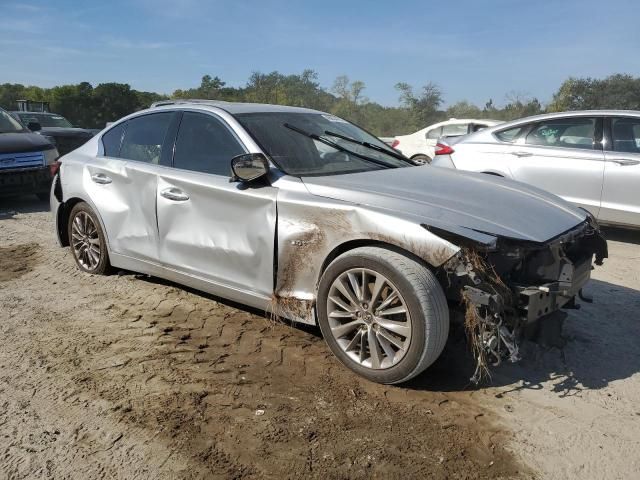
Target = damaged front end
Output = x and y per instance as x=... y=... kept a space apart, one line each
x=508 y=285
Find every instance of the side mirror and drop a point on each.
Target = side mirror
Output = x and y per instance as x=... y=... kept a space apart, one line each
x=248 y=167
x=34 y=126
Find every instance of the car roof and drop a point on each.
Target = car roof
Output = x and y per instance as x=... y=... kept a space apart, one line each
x=568 y=114
x=488 y=121
x=232 y=107
x=38 y=113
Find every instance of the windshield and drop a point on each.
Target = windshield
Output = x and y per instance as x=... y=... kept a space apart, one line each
x=44 y=120
x=285 y=137
x=8 y=124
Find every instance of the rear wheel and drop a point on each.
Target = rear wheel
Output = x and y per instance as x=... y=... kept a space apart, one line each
x=383 y=315
x=87 y=240
x=422 y=159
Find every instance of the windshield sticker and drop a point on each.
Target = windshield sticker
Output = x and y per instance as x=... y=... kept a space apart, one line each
x=333 y=118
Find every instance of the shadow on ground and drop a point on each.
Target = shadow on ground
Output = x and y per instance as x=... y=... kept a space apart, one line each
x=10 y=206
x=600 y=346
x=622 y=235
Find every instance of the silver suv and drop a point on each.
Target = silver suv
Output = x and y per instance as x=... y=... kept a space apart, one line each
x=306 y=215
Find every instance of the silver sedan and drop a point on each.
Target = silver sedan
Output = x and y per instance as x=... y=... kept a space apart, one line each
x=589 y=158
x=305 y=215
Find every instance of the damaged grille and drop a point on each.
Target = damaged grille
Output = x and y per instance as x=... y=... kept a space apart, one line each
x=516 y=283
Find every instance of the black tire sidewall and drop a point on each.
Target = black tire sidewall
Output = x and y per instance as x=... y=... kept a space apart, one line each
x=425 y=158
x=103 y=265
x=412 y=358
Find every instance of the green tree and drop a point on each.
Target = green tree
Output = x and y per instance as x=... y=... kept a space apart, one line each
x=464 y=109
x=614 y=92
x=422 y=107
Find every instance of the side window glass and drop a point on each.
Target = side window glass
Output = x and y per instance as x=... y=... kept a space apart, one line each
x=455 y=130
x=565 y=133
x=112 y=139
x=510 y=135
x=626 y=135
x=144 y=137
x=434 y=134
x=205 y=144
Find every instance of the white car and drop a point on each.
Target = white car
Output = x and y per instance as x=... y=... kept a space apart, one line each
x=589 y=158
x=420 y=146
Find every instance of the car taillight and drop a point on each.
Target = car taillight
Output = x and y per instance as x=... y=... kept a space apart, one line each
x=442 y=149
x=54 y=167
x=395 y=143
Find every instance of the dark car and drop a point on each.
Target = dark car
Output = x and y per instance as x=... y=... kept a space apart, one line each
x=28 y=161
x=56 y=128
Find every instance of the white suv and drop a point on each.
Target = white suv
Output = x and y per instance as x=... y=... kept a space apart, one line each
x=420 y=146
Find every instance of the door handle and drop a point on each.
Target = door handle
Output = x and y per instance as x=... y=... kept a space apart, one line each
x=625 y=162
x=522 y=154
x=174 y=194
x=101 y=178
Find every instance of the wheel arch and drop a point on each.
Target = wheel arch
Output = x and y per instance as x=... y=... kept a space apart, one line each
x=368 y=242
x=420 y=154
x=62 y=220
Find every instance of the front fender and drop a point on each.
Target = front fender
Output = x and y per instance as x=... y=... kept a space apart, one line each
x=309 y=229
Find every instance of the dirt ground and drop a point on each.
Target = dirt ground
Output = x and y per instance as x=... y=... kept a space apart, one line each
x=131 y=377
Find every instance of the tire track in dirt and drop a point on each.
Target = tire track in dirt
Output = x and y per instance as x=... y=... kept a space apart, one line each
x=144 y=379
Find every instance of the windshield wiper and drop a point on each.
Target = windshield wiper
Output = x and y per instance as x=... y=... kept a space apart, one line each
x=399 y=156
x=326 y=141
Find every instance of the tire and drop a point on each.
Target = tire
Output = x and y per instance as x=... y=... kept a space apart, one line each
x=422 y=159
x=418 y=293
x=88 y=235
x=43 y=196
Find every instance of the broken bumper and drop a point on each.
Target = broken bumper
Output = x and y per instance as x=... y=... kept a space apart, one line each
x=544 y=299
x=514 y=284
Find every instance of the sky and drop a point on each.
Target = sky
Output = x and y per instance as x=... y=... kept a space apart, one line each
x=474 y=50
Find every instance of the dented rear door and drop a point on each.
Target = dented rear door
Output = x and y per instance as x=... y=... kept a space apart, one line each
x=210 y=228
x=122 y=184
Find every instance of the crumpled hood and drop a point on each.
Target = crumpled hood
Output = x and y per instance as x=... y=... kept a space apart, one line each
x=20 y=142
x=455 y=200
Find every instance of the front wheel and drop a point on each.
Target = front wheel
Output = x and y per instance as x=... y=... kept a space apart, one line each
x=384 y=315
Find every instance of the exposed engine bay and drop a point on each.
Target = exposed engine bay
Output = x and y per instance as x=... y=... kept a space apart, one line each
x=510 y=284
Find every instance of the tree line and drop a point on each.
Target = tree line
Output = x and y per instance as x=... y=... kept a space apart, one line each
x=91 y=107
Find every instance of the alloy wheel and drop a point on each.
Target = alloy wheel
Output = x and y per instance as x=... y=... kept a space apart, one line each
x=368 y=318
x=86 y=241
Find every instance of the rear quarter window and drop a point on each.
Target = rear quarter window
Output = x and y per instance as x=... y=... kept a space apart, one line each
x=509 y=135
x=112 y=140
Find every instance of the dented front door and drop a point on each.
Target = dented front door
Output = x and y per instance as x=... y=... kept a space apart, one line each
x=217 y=231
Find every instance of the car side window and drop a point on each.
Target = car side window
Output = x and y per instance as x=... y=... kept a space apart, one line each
x=112 y=140
x=626 y=135
x=565 y=133
x=144 y=137
x=434 y=134
x=204 y=144
x=511 y=134
x=455 y=129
